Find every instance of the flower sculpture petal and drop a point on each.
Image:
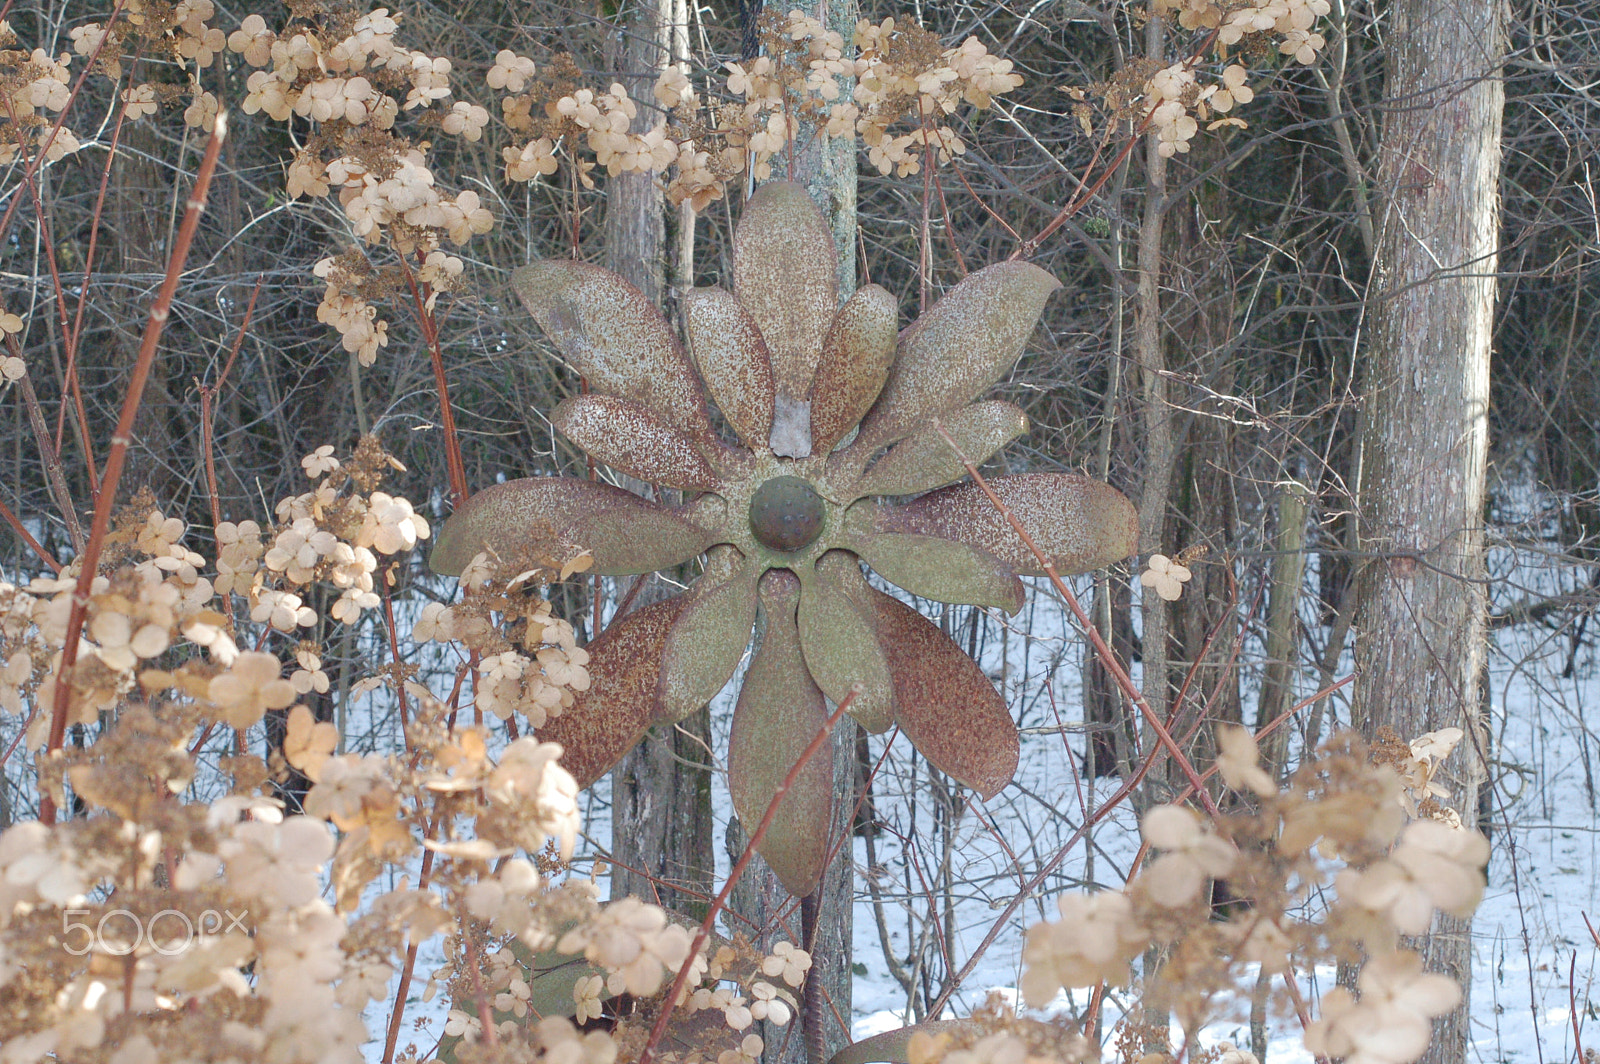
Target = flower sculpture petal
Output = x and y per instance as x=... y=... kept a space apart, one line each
x=787 y=515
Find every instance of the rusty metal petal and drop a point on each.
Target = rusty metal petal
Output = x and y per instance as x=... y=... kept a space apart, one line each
x=1081 y=524
x=779 y=711
x=941 y=569
x=963 y=344
x=710 y=637
x=615 y=338
x=608 y=719
x=855 y=362
x=943 y=702
x=838 y=643
x=785 y=273
x=733 y=360
x=532 y=519
x=924 y=461
x=625 y=436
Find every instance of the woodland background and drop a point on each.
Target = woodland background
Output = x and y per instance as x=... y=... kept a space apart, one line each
x=1258 y=250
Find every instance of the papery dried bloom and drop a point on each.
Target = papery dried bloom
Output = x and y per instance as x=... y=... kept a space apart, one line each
x=252 y=685
x=634 y=943
x=1390 y=1024
x=1164 y=574
x=787 y=961
x=141 y=101
x=1434 y=866
x=1239 y=761
x=1193 y=855
x=1095 y=940
x=786 y=516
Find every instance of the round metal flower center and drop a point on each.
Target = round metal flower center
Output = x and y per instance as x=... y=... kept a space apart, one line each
x=786 y=514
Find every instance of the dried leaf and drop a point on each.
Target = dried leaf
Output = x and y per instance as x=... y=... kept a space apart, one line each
x=1080 y=524
x=779 y=711
x=534 y=517
x=615 y=338
x=785 y=273
x=608 y=719
x=838 y=642
x=924 y=461
x=733 y=359
x=711 y=635
x=943 y=702
x=856 y=357
x=625 y=436
x=966 y=342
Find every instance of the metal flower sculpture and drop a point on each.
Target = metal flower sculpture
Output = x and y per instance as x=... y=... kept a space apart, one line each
x=786 y=516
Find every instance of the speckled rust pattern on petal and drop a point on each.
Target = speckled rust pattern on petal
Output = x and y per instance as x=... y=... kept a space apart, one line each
x=626 y=533
x=924 y=460
x=855 y=362
x=1080 y=523
x=941 y=570
x=779 y=711
x=733 y=359
x=615 y=338
x=963 y=344
x=709 y=639
x=839 y=645
x=624 y=435
x=943 y=702
x=608 y=719
x=786 y=275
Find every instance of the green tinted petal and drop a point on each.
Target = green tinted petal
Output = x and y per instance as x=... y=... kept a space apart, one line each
x=943 y=702
x=615 y=338
x=838 y=642
x=940 y=569
x=625 y=436
x=710 y=636
x=780 y=710
x=608 y=719
x=855 y=362
x=532 y=519
x=785 y=273
x=924 y=461
x=733 y=359
x=1081 y=524
x=966 y=342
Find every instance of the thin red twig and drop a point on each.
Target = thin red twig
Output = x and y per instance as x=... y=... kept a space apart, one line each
x=647 y=1054
x=117 y=458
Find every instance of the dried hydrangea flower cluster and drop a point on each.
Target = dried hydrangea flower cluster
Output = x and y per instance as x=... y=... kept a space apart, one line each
x=173 y=923
x=1392 y=877
x=1176 y=100
x=787 y=513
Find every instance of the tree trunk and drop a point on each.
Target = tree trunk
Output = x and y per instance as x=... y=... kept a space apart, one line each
x=662 y=834
x=827 y=169
x=1419 y=648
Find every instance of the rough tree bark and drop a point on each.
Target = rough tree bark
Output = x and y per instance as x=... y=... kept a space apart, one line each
x=661 y=826
x=1419 y=648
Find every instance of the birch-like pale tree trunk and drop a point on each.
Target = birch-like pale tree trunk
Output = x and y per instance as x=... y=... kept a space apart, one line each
x=1420 y=642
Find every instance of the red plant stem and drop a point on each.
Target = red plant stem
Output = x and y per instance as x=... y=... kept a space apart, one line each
x=27 y=537
x=670 y=1005
x=117 y=458
x=392 y=1035
x=456 y=468
x=1572 y=1003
